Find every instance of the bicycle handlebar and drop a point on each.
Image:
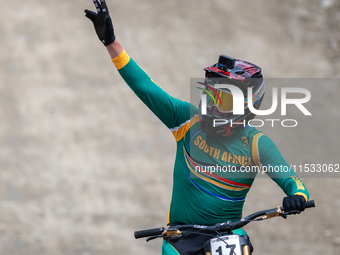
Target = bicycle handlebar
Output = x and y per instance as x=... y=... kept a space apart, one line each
x=310 y=204
x=225 y=226
x=149 y=232
x=270 y=213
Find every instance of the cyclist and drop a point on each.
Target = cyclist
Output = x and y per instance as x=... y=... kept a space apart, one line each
x=202 y=196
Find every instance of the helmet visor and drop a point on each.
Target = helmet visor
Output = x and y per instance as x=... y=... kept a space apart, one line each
x=222 y=99
x=217 y=98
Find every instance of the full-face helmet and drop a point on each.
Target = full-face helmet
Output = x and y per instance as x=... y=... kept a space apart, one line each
x=219 y=101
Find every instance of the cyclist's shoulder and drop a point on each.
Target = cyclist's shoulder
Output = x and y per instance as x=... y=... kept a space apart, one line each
x=251 y=132
x=262 y=143
x=258 y=137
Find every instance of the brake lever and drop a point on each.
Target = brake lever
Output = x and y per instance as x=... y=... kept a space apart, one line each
x=285 y=214
x=153 y=237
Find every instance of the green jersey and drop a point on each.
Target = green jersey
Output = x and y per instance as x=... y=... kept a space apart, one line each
x=212 y=174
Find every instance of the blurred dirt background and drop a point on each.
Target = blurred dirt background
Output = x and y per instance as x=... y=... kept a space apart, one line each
x=83 y=163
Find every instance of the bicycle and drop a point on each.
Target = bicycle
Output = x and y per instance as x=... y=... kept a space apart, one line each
x=223 y=241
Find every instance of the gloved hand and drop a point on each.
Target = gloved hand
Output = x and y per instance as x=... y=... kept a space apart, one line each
x=294 y=202
x=102 y=22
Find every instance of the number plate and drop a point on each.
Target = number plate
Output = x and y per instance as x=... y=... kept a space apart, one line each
x=226 y=245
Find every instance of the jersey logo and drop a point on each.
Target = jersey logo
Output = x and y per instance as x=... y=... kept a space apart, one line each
x=245 y=142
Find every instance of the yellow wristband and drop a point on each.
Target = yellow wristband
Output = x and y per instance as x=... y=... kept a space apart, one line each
x=301 y=194
x=121 y=60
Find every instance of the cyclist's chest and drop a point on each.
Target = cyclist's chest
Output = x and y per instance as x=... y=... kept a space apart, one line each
x=214 y=150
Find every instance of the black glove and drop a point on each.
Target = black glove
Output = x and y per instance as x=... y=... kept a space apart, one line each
x=294 y=202
x=102 y=22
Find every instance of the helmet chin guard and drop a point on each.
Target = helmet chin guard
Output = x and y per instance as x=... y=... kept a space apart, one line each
x=219 y=118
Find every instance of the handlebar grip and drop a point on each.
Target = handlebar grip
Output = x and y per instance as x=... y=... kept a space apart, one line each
x=149 y=232
x=310 y=203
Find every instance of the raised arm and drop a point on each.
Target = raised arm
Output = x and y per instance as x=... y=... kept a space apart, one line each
x=171 y=111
